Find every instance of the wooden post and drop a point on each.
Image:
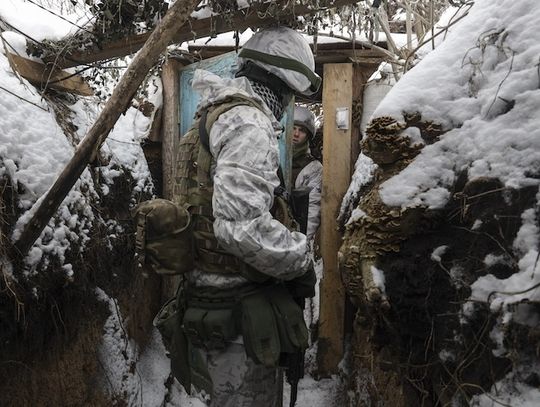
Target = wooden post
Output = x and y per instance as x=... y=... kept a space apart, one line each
x=342 y=87
x=170 y=122
x=115 y=106
x=169 y=141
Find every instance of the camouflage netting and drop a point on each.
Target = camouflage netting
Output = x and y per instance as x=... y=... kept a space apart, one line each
x=412 y=344
x=51 y=321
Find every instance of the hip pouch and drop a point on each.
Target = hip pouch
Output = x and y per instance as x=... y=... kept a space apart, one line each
x=272 y=324
x=187 y=365
x=212 y=325
x=164 y=238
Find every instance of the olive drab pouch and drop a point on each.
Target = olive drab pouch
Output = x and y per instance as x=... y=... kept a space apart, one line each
x=259 y=329
x=164 y=237
x=293 y=333
x=187 y=365
x=210 y=328
x=272 y=324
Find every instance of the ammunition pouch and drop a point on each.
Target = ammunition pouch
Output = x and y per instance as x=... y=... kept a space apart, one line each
x=210 y=328
x=164 y=239
x=270 y=321
x=272 y=325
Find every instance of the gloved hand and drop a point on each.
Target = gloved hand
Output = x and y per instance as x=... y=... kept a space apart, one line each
x=303 y=286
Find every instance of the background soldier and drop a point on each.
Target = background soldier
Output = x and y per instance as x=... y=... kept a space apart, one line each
x=306 y=169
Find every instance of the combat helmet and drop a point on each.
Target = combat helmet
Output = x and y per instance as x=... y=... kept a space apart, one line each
x=304 y=117
x=285 y=53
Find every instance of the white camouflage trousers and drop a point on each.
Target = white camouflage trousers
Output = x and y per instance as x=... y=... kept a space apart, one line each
x=239 y=382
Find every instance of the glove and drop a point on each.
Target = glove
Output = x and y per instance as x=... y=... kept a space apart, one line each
x=303 y=286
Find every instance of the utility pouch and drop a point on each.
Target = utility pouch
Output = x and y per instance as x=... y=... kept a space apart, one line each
x=272 y=324
x=259 y=329
x=193 y=326
x=164 y=238
x=220 y=327
x=293 y=333
x=187 y=365
x=210 y=328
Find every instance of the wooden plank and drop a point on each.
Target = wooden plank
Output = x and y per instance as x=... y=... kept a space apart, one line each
x=44 y=77
x=154 y=134
x=337 y=165
x=170 y=122
x=324 y=55
x=169 y=140
x=259 y=15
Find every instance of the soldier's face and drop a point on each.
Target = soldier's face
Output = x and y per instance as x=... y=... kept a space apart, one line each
x=299 y=135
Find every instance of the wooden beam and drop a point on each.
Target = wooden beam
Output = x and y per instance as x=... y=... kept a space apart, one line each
x=337 y=165
x=44 y=77
x=258 y=15
x=323 y=56
x=169 y=139
x=170 y=121
x=115 y=106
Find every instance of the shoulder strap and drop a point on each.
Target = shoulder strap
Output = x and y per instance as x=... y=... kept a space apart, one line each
x=203 y=133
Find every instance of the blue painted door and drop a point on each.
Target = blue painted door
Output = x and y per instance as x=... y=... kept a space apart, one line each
x=226 y=66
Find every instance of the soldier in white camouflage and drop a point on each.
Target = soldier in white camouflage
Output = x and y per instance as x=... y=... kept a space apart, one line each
x=241 y=247
x=306 y=169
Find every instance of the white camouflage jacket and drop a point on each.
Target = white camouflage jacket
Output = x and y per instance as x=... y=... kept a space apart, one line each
x=244 y=145
x=311 y=176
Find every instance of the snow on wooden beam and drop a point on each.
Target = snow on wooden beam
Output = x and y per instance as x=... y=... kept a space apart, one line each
x=260 y=15
x=44 y=77
x=324 y=54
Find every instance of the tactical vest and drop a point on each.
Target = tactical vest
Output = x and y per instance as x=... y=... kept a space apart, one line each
x=193 y=186
x=299 y=164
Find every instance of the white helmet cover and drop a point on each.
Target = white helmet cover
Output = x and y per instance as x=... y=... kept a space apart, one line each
x=286 y=54
x=303 y=117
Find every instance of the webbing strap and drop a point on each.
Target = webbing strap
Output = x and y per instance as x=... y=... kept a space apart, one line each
x=203 y=133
